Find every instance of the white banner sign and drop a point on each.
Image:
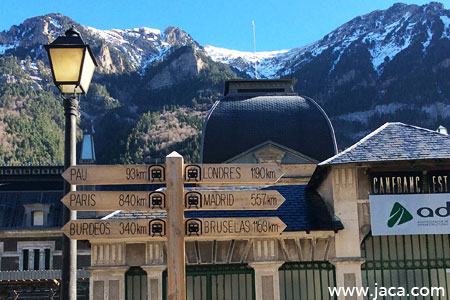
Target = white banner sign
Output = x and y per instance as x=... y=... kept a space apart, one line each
x=410 y=214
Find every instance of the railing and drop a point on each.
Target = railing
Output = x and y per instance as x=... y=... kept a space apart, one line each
x=307 y=280
x=406 y=262
x=217 y=282
x=37 y=274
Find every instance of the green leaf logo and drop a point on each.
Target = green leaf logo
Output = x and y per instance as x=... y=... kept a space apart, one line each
x=399 y=215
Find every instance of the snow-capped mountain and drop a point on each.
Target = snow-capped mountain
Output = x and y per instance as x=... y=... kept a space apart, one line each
x=384 y=34
x=247 y=62
x=117 y=50
x=143 y=45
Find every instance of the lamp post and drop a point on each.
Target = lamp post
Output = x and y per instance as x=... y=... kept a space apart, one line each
x=73 y=65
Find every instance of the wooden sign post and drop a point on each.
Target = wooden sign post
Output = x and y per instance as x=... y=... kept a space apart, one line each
x=176 y=262
x=174 y=200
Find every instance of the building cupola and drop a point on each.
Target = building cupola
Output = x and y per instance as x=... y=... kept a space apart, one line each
x=254 y=113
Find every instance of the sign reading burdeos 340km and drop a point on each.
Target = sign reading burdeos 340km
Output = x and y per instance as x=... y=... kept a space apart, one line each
x=115 y=174
x=232 y=173
x=98 y=229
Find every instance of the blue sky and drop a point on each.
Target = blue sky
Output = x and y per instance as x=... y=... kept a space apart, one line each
x=280 y=24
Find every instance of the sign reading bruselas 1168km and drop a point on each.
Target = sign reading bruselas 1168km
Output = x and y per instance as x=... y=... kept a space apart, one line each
x=107 y=201
x=237 y=227
x=115 y=174
x=100 y=229
x=232 y=173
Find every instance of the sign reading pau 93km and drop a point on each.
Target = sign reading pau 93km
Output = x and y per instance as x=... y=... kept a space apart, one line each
x=115 y=174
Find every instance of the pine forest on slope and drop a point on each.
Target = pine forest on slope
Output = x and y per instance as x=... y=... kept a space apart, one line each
x=153 y=88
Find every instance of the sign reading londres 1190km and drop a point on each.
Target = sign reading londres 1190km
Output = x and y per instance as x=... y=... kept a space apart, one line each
x=232 y=173
x=115 y=174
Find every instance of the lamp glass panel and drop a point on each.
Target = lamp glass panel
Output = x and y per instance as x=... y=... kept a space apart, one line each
x=70 y=89
x=88 y=71
x=66 y=63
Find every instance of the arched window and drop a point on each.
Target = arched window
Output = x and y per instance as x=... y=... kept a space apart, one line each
x=136 y=284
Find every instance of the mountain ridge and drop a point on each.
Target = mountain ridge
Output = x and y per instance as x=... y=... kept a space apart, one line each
x=360 y=73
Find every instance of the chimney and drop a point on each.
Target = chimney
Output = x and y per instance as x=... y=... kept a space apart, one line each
x=259 y=87
x=441 y=129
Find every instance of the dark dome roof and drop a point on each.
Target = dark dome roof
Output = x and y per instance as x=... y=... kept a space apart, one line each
x=237 y=123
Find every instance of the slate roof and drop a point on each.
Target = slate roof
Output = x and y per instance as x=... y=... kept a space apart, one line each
x=31 y=178
x=30 y=184
x=395 y=142
x=12 y=210
x=237 y=123
x=303 y=210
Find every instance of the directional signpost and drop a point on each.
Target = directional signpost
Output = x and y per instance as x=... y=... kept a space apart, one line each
x=174 y=200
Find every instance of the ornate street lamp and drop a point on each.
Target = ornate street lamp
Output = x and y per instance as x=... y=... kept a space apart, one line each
x=72 y=65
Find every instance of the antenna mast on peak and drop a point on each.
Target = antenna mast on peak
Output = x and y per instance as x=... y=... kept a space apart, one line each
x=254 y=50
